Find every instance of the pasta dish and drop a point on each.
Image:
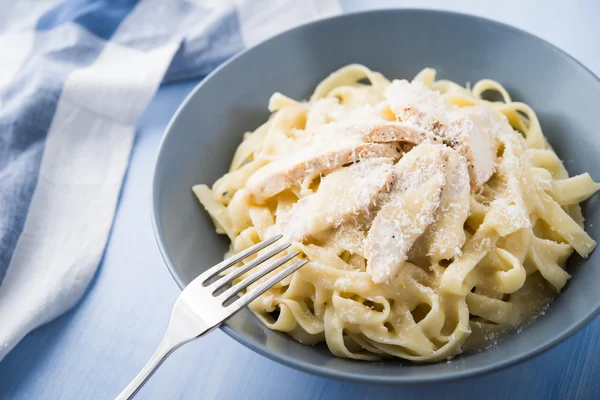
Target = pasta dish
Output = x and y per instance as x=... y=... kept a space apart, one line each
x=435 y=217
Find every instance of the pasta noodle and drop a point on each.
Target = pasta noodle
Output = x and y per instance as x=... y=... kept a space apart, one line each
x=433 y=219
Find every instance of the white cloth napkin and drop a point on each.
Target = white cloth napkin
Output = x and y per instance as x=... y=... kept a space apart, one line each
x=74 y=78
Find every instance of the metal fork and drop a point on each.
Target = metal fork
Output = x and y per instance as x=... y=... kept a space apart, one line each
x=201 y=307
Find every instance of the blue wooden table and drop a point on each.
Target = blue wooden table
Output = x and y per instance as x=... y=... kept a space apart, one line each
x=92 y=351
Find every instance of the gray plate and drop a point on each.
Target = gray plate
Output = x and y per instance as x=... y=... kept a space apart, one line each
x=203 y=135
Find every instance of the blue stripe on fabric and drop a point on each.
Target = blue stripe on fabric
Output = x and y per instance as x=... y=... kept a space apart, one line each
x=101 y=17
x=198 y=56
x=29 y=103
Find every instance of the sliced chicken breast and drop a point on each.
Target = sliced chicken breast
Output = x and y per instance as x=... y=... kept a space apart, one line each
x=342 y=196
x=408 y=210
x=376 y=131
x=331 y=146
x=445 y=237
x=473 y=135
x=469 y=130
x=386 y=132
x=416 y=104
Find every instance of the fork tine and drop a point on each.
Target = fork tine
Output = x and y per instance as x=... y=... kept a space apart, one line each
x=234 y=290
x=227 y=279
x=266 y=285
x=223 y=265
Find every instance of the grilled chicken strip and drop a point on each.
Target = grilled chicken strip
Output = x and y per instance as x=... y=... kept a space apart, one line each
x=409 y=209
x=342 y=196
x=469 y=130
x=332 y=146
x=445 y=237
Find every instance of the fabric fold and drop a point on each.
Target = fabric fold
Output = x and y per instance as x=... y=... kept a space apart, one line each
x=76 y=79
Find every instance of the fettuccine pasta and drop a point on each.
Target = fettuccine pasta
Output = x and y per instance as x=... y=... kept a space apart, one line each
x=433 y=219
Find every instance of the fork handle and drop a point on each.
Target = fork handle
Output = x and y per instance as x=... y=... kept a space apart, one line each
x=183 y=328
x=165 y=348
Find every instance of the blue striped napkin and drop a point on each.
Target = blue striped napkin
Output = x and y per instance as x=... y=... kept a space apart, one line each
x=74 y=78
